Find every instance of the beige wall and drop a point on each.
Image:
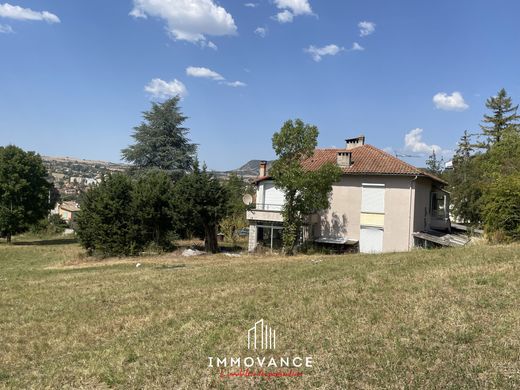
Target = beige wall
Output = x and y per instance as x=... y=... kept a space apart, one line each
x=343 y=217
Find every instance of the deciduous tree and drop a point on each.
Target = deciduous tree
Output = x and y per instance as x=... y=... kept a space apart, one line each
x=24 y=190
x=306 y=192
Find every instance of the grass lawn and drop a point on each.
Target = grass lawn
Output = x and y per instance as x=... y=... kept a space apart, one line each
x=426 y=319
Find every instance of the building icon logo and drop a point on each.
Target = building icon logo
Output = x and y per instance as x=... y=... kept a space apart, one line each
x=261 y=336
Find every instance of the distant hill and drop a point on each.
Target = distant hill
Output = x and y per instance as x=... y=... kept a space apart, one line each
x=248 y=171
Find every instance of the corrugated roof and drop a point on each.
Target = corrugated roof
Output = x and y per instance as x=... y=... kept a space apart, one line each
x=366 y=159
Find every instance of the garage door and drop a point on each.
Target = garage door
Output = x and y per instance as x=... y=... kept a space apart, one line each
x=371 y=240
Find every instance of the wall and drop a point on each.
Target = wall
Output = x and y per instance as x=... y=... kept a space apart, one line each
x=343 y=217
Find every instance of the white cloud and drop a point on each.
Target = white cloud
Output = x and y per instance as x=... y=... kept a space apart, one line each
x=207 y=73
x=318 y=52
x=453 y=102
x=211 y=45
x=366 y=28
x=235 y=84
x=6 y=29
x=194 y=71
x=297 y=7
x=413 y=143
x=261 y=32
x=16 y=12
x=284 y=17
x=188 y=20
x=161 y=89
x=290 y=9
x=251 y=5
x=357 y=47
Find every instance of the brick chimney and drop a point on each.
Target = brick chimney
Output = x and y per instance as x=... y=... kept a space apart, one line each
x=263 y=169
x=344 y=159
x=351 y=143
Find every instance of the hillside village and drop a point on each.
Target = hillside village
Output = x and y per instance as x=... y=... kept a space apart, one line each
x=73 y=176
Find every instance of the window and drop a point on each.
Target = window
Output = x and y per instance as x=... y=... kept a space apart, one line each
x=373 y=198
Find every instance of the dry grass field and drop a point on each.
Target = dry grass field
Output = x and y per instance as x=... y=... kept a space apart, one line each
x=426 y=319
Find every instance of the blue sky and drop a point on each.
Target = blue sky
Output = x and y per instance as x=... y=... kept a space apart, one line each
x=76 y=75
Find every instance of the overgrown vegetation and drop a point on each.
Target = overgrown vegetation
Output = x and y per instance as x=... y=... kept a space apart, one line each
x=165 y=196
x=305 y=191
x=484 y=181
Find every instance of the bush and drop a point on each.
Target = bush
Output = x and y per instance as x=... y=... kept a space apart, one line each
x=106 y=222
x=49 y=226
x=501 y=211
x=124 y=217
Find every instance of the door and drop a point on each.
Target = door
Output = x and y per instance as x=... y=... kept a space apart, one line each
x=371 y=240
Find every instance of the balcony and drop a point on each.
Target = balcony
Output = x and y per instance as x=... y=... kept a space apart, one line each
x=266 y=212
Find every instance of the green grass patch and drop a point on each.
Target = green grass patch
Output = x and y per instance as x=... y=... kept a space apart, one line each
x=425 y=319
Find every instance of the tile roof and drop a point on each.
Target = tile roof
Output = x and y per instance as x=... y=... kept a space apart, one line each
x=366 y=159
x=69 y=206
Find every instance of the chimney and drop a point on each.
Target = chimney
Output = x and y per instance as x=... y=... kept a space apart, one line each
x=344 y=159
x=263 y=169
x=354 y=142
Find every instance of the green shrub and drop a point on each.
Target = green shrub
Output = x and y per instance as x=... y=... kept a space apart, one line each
x=501 y=211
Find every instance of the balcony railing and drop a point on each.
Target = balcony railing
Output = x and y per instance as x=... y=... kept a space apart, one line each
x=268 y=207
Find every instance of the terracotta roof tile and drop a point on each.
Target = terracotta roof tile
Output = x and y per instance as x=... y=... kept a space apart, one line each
x=366 y=159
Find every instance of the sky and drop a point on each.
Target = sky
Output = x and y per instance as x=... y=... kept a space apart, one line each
x=410 y=75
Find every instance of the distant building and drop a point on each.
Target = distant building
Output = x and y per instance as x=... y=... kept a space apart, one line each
x=68 y=211
x=90 y=182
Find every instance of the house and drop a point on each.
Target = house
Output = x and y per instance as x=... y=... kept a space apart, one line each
x=68 y=211
x=379 y=203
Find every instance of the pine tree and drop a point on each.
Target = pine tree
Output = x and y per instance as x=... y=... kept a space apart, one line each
x=201 y=202
x=466 y=182
x=433 y=164
x=504 y=117
x=107 y=224
x=161 y=141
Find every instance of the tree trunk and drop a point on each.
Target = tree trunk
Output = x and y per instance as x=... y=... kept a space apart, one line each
x=210 y=242
x=8 y=238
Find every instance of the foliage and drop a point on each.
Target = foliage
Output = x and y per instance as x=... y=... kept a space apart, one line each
x=466 y=182
x=122 y=216
x=501 y=210
x=161 y=141
x=306 y=192
x=201 y=201
x=504 y=118
x=484 y=185
x=236 y=219
x=152 y=202
x=106 y=222
x=434 y=165
x=24 y=190
x=49 y=226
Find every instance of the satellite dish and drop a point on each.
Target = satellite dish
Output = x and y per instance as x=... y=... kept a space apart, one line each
x=247 y=199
